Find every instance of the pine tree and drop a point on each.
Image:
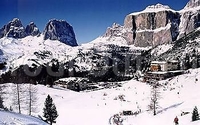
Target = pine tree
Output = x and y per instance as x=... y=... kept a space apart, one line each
x=50 y=112
x=195 y=114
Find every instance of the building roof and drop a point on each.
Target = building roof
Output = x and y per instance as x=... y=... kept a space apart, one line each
x=173 y=61
x=158 y=62
x=159 y=72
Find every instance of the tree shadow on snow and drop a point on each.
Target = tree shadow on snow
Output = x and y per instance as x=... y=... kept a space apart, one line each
x=172 y=106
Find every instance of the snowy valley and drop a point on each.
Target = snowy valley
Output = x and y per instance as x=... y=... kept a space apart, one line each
x=179 y=94
x=103 y=82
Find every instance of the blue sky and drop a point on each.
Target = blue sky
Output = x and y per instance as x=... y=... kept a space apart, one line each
x=89 y=18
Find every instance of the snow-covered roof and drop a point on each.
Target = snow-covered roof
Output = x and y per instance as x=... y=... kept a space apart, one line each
x=158 y=62
x=159 y=72
x=78 y=79
x=173 y=61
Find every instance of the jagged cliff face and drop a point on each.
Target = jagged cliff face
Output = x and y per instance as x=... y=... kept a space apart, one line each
x=32 y=29
x=190 y=17
x=149 y=26
x=15 y=29
x=55 y=30
x=190 y=20
x=158 y=24
x=60 y=30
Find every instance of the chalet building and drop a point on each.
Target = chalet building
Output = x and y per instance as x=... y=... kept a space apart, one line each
x=173 y=65
x=160 y=70
x=158 y=66
x=164 y=66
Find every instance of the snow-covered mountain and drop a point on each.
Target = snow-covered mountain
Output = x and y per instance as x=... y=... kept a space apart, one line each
x=147 y=27
x=55 y=30
x=13 y=29
x=27 y=46
x=94 y=60
x=106 y=68
x=185 y=49
x=192 y=4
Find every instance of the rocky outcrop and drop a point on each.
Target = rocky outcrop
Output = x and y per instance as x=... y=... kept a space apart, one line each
x=190 y=18
x=117 y=31
x=32 y=29
x=192 y=4
x=149 y=26
x=60 y=30
x=114 y=31
x=13 y=29
x=55 y=30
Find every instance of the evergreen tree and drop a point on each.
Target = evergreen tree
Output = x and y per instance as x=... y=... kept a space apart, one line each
x=50 y=112
x=195 y=114
x=187 y=61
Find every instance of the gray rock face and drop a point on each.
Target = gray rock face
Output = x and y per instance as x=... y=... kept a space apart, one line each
x=13 y=29
x=115 y=30
x=118 y=31
x=55 y=30
x=190 y=18
x=32 y=30
x=60 y=30
x=149 y=27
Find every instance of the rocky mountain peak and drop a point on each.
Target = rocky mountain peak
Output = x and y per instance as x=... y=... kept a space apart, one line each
x=116 y=25
x=192 y=4
x=32 y=29
x=13 y=29
x=114 y=31
x=16 y=23
x=55 y=30
x=60 y=30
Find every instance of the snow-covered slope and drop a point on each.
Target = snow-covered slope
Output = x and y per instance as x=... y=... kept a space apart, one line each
x=11 y=118
x=27 y=50
x=33 y=50
x=178 y=94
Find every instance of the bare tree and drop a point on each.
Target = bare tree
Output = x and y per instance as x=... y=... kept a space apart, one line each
x=154 y=99
x=32 y=98
x=18 y=94
x=1 y=97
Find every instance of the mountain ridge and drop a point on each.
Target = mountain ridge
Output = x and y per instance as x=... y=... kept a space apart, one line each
x=54 y=30
x=147 y=27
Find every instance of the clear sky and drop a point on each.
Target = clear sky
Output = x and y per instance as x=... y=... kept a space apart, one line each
x=89 y=18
